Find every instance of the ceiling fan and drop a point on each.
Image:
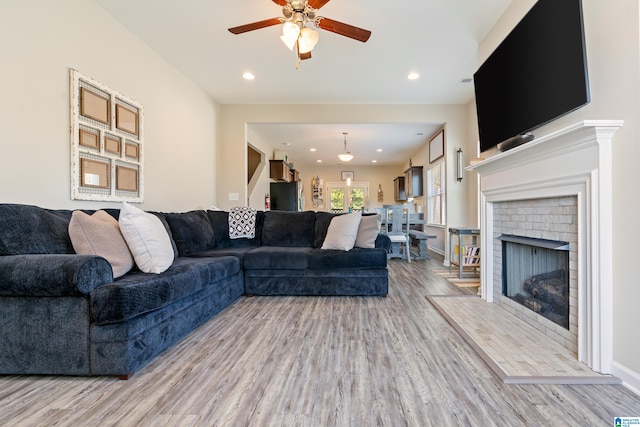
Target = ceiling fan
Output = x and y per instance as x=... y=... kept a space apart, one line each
x=295 y=33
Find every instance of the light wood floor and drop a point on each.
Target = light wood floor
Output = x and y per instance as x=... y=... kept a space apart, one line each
x=343 y=361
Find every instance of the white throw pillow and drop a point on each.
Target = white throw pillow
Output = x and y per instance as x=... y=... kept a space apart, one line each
x=147 y=238
x=100 y=235
x=368 y=231
x=342 y=232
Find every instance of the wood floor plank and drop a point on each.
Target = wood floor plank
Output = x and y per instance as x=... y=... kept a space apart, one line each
x=311 y=361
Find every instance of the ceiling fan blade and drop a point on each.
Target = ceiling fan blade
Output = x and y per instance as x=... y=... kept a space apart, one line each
x=255 y=25
x=343 y=29
x=282 y=2
x=316 y=4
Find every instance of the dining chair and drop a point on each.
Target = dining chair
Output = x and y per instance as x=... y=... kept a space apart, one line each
x=399 y=232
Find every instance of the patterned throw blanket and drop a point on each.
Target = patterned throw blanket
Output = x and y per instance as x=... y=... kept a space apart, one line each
x=242 y=223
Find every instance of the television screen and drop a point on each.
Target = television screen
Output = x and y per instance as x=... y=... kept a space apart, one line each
x=537 y=74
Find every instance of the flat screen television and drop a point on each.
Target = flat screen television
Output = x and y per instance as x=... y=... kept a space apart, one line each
x=537 y=74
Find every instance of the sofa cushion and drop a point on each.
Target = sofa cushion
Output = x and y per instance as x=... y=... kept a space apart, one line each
x=163 y=220
x=277 y=258
x=137 y=293
x=99 y=234
x=323 y=219
x=356 y=258
x=192 y=231
x=147 y=239
x=368 y=231
x=236 y=251
x=220 y=223
x=342 y=232
x=26 y=229
x=288 y=229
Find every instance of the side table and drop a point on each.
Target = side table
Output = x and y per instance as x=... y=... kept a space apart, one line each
x=468 y=255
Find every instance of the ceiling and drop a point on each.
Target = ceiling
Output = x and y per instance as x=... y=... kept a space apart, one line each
x=396 y=141
x=436 y=38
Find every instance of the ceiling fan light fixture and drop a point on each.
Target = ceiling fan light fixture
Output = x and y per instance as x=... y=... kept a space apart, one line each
x=345 y=156
x=290 y=33
x=307 y=40
x=290 y=29
x=296 y=14
x=290 y=42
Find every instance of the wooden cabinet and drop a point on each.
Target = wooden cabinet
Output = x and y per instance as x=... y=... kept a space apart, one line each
x=399 y=193
x=413 y=181
x=279 y=171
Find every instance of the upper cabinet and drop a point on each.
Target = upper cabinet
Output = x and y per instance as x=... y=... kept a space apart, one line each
x=413 y=181
x=399 y=193
x=279 y=170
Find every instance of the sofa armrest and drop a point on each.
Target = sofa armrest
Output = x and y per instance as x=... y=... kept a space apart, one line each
x=52 y=275
x=383 y=242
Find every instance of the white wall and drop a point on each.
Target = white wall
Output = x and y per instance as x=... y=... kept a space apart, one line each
x=256 y=198
x=612 y=32
x=40 y=40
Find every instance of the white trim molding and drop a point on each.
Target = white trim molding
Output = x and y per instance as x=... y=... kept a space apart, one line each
x=574 y=161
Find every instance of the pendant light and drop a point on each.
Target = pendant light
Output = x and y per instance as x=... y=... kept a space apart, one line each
x=345 y=156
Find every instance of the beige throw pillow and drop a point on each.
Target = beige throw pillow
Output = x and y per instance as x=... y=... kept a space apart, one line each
x=99 y=234
x=342 y=232
x=368 y=231
x=147 y=238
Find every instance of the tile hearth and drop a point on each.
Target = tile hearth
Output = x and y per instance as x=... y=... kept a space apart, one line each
x=515 y=351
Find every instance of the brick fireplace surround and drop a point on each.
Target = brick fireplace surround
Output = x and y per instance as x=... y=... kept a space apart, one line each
x=571 y=164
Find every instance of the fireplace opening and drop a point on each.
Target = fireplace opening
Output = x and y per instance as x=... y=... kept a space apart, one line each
x=535 y=274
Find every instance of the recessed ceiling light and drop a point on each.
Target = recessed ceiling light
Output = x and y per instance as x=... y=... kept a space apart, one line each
x=286 y=144
x=248 y=76
x=413 y=76
x=312 y=149
x=374 y=161
x=319 y=161
x=379 y=150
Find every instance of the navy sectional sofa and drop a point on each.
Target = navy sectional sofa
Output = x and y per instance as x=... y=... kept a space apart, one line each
x=63 y=313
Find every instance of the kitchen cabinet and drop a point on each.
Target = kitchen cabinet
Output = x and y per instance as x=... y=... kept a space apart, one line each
x=413 y=181
x=279 y=171
x=399 y=193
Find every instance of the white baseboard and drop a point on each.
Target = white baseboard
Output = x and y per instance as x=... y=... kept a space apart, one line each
x=630 y=379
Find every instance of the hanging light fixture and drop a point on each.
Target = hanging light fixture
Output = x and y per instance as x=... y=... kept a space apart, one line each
x=290 y=33
x=295 y=34
x=346 y=155
x=307 y=40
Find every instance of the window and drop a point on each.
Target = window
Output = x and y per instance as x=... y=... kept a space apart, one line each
x=436 y=196
x=343 y=196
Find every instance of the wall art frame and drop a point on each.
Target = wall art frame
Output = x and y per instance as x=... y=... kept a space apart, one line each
x=344 y=175
x=107 y=142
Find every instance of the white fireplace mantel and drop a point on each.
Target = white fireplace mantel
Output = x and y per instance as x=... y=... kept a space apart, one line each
x=574 y=161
